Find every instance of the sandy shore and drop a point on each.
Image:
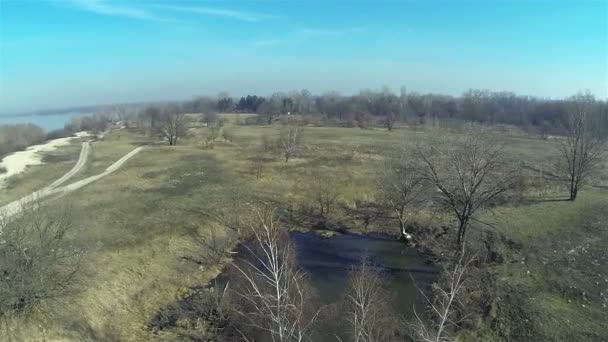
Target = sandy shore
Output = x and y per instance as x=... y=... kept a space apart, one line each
x=17 y=162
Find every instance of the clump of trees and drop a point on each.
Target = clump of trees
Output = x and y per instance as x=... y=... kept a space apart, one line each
x=249 y=103
x=225 y=103
x=325 y=192
x=18 y=137
x=97 y=123
x=462 y=174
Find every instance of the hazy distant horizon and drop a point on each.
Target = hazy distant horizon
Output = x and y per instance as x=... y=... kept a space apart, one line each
x=61 y=54
x=71 y=108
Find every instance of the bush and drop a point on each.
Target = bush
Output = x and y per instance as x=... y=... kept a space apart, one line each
x=37 y=262
x=228 y=134
x=362 y=120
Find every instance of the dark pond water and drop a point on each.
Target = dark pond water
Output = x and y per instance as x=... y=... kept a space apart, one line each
x=328 y=261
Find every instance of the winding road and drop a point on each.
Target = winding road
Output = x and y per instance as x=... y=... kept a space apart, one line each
x=54 y=188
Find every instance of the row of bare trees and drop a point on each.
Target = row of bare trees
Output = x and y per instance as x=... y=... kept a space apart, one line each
x=387 y=107
x=466 y=174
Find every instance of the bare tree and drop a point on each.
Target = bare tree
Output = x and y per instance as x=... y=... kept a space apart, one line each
x=270 y=108
x=400 y=185
x=37 y=260
x=210 y=119
x=391 y=118
x=172 y=124
x=367 y=305
x=290 y=139
x=443 y=307
x=468 y=173
x=583 y=145
x=325 y=191
x=210 y=135
x=258 y=164
x=152 y=115
x=274 y=291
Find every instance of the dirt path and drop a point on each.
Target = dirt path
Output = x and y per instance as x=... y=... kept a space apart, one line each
x=14 y=207
x=82 y=160
x=79 y=184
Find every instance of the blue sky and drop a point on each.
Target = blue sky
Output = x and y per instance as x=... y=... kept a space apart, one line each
x=80 y=52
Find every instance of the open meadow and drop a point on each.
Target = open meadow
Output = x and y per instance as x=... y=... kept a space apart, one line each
x=140 y=226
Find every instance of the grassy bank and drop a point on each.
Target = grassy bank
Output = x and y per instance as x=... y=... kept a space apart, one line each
x=554 y=287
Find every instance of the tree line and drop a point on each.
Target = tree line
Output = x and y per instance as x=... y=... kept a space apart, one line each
x=386 y=107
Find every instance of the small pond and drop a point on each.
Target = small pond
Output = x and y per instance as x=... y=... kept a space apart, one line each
x=328 y=261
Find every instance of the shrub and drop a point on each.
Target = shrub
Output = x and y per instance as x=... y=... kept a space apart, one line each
x=228 y=134
x=37 y=262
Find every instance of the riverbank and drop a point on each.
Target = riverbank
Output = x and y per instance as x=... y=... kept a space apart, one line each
x=17 y=162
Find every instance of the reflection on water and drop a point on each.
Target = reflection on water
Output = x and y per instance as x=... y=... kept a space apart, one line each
x=328 y=261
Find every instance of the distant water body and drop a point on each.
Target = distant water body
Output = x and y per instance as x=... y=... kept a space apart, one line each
x=47 y=122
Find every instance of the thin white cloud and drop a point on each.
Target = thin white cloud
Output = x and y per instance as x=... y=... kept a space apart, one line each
x=102 y=7
x=322 y=32
x=218 y=12
x=300 y=35
x=266 y=42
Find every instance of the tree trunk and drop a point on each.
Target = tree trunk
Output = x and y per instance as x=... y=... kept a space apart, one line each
x=462 y=228
x=402 y=228
x=573 y=190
